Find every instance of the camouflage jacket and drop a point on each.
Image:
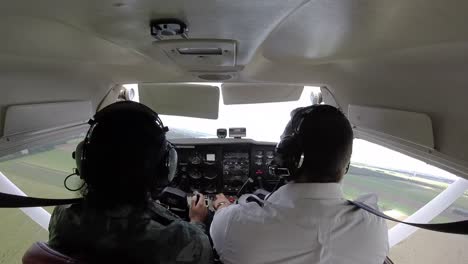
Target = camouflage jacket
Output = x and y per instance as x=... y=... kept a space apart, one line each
x=128 y=235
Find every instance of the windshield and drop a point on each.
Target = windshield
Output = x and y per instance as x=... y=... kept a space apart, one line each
x=264 y=122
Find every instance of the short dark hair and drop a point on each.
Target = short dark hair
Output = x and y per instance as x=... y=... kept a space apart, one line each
x=123 y=154
x=327 y=138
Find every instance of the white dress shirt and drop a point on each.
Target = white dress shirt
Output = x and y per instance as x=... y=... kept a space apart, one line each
x=301 y=223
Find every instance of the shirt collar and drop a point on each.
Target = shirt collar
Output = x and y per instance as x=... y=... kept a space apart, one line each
x=295 y=191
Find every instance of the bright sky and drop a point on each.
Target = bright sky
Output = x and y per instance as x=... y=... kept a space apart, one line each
x=365 y=152
x=265 y=122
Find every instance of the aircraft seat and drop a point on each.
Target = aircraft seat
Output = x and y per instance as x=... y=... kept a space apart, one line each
x=41 y=253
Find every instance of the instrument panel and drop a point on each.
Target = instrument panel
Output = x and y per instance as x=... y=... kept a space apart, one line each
x=223 y=166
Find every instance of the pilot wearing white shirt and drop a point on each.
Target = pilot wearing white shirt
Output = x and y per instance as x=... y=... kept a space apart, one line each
x=307 y=220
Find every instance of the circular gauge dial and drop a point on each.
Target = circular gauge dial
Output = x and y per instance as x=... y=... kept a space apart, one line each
x=210 y=175
x=270 y=154
x=211 y=188
x=195 y=175
x=195 y=160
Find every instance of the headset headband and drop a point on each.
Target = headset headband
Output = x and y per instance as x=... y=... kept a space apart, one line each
x=125 y=107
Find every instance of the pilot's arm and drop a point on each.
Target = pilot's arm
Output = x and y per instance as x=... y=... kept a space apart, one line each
x=220 y=226
x=198 y=249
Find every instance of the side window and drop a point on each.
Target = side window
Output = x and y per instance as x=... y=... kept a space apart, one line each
x=404 y=185
x=38 y=172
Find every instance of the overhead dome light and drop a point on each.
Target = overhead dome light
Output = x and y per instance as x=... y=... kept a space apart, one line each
x=168 y=28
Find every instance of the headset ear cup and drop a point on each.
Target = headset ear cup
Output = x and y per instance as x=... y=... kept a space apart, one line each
x=78 y=156
x=289 y=151
x=171 y=163
x=167 y=167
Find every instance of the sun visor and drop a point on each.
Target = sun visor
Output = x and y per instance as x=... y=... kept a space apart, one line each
x=33 y=118
x=238 y=93
x=412 y=127
x=181 y=99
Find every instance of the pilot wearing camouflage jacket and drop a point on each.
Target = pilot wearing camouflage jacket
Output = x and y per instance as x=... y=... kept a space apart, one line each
x=122 y=160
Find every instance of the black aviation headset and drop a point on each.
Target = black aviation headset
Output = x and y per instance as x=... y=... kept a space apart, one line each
x=289 y=152
x=167 y=160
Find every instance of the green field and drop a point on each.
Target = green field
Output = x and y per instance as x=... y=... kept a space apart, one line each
x=399 y=192
x=39 y=175
x=42 y=173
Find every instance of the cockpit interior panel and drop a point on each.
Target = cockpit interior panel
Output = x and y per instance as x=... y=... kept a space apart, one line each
x=222 y=166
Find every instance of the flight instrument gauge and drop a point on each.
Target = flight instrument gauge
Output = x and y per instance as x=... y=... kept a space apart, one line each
x=210 y=174
x=195 y=159
x=270 y=154
x=195 y=174
x=259 y=154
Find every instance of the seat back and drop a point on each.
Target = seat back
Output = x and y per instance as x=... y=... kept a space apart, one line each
x=41 y=253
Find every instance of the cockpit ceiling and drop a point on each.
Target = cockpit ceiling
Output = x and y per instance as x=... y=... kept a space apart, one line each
x=117 y=32
x=342 y=30
x=400 y=54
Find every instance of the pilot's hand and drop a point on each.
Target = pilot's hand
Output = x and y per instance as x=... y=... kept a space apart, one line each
x=198 y=211
x=220 y=202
